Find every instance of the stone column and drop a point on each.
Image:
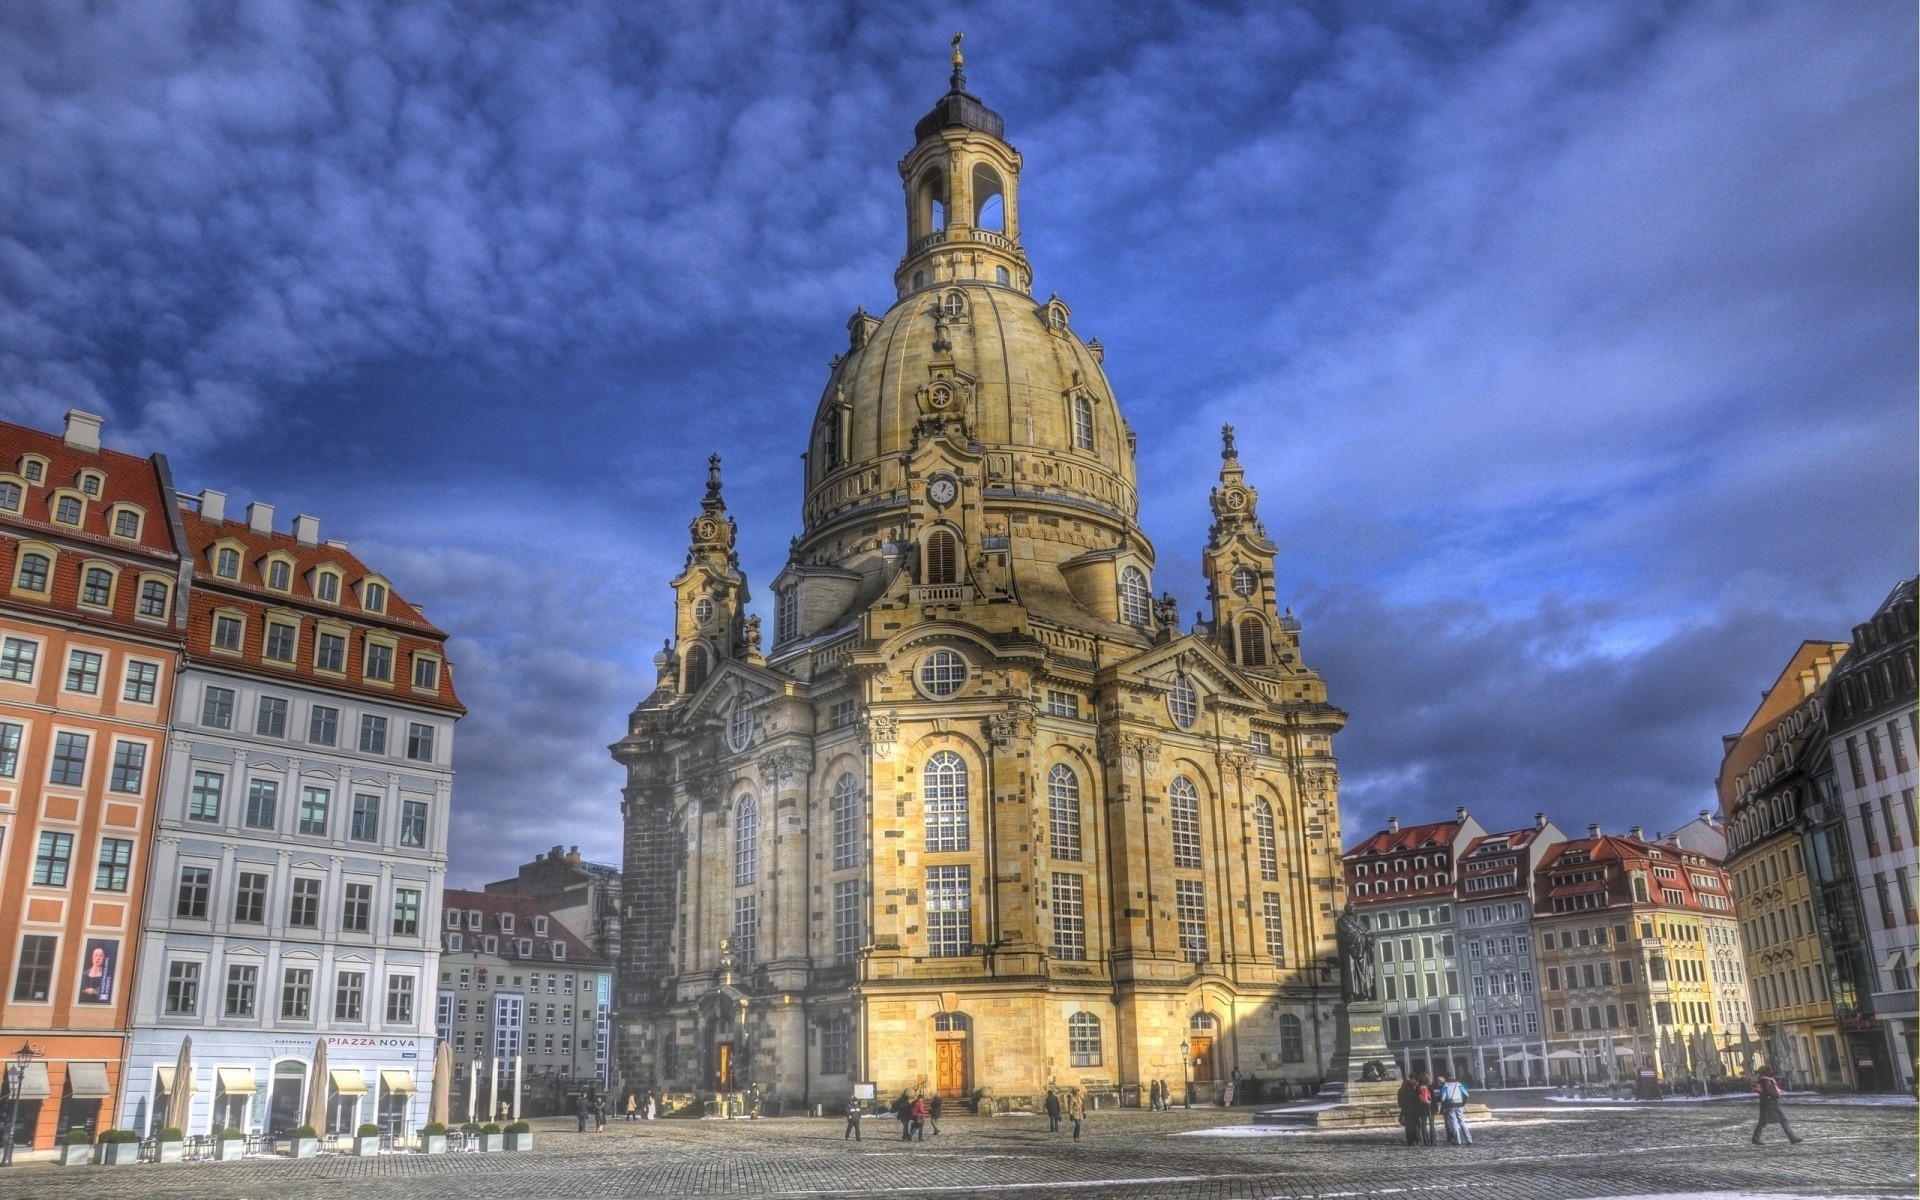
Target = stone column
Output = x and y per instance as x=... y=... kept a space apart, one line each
x=1020 y=948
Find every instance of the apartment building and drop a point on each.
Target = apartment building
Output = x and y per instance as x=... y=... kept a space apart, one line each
x=1494 y=900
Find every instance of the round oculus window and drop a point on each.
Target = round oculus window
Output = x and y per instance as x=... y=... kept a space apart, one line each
x=703 y=610
x=739 y=727
x=942 y=673
x=1183 y=704
x=1244 y=581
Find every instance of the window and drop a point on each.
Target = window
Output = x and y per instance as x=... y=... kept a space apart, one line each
x=313 y=810
x=349 y=991
x=1083 y=1039
x=1260 y=742
x=330 y=652
x=1069 y=916
x=90 y=483
x=282 y=641
x=1190 y=903
x=834 y=1040
x=323 y=725
x=942 y=559
x=746 y=927
x=419 y=742
x=1082 y=422
x=1182 y=702
x=96 y=587
x=83 y=672
x=226 y=633
x=373 y=596
x=51 y=859
x=153 y=598
x=32 y=576
x=141 y=682
x=399 y=999
x=10 y=497
x=786 y=614
x=115 y=863
x=426 y=673
x=373 y=734
x=356 y=908
x=17 y=656
x=365 y=823
x=746 y=841
x=305 y=910
x=33 y=978
x=263 y=803
x=1292 y=1044
x=129 y=768
x=1063 y=813
x=944 y=794
x=250 y=898
x=846 y=822
x=1253 y=642
x=183 y=988
x=413 y=822
x=241 y=982
x=379 y=664
x=943 y=673
x=847 y=925
x=1136 y=603
x=326 y=586
x=1275 y=925
x=1184 y=814
x=66 y=510
x=1063 y=704
x=949 y=899
x=216 y=708
x=271 y=720
x=194 y=890
x=1264 y=840
x=739 y=726
x=203 y=798
x=69 y=766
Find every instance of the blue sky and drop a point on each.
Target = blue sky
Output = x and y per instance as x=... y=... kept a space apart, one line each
x=1571 y=345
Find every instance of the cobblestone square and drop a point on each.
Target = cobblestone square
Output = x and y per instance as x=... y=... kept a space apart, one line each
x=1533 y=1149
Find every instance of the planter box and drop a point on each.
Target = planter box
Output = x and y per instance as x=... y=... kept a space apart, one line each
x=76 y=1155
x=364 y=1147
x=519 y=1141
x=170 y=1151
x=117 y=1154
x=433 y=1143
x=227 y=1149
x=305 y=1147
x=492 y=1141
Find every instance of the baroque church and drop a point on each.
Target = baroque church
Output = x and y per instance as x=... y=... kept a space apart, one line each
x=978 y=817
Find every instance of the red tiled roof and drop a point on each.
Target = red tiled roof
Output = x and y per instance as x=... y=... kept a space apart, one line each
x=127 y=478
x=1407 y=838
x=524 y=909
x=202 y=534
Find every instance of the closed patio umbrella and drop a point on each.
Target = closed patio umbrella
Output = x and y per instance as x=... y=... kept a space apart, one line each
x=180 y=1102
x=438 y=1108
x=317 y=1088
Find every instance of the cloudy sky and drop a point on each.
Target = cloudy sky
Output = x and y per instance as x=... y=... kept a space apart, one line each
x=1572 y=345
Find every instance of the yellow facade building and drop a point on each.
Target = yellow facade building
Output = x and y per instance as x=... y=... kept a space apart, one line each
x=980 y=817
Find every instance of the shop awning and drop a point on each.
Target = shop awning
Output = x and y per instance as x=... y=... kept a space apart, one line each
x=87 y=1080
x=349 y=1083
x=166 y=1077
x=236 y=1080
x=1896 y=960
x=400 y=1083
x=33 y=1082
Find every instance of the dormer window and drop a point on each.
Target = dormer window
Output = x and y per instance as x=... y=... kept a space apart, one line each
x=33 y=469
x=67 y=510
x=226 y=562
x=1082 y=421
x=453 y=918
x=379 y=662
x=540 y=927
x=373 y=596
x=326 y=586
x=506 y=922
x=473 y=918
x=126 y=523
x=90 y=482
x=426 y=673
x=1136 y=600
x=10 y=496
x=559 y=951
x=279 y=575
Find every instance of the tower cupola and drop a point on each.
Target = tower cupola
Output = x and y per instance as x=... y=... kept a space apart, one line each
x=962 y=184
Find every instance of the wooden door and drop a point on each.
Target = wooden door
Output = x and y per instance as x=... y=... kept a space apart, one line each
x=950 y=1067
x=1202 y=1059
x=723 y=1066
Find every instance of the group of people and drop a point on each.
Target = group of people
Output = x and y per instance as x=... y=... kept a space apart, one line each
x=1424 y=1097
x=1159 y=1098
x=916 y=1115
x=591 y=1107
x=642 y=1106
x=1072 y=1104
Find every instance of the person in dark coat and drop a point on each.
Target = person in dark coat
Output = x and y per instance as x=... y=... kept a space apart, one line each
x=1053 y=1111
x=583 y=1111
x=1408 y=1097
x=1769 y=1090
x=903 y=1112
x=917 y=1113
x=933 y=1113
x=853 y=1119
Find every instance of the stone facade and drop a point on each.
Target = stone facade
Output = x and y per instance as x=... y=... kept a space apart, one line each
x=983 y=818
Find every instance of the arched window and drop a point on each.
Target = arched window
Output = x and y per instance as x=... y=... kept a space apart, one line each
x=697 y=667
x=1082 y=421
x=33 y=573
x=943 y=786
x=1253 y=642
x=1063 y=813
x=933 y=201
x=1185 y=808
x=746 y=841
x=846 y=822
x=1136 y=603
x=1182 y=702
x=97 y=587
x=1293 y=1047
x=739 y=726
x=989 y=202
x=1264 y=839
x=786 y=614
x=951 y=1022
x=943 y=559
x=1083 y=1039
x=1201 y=1023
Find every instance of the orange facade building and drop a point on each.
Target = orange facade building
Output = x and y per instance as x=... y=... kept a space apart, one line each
x=90 y=634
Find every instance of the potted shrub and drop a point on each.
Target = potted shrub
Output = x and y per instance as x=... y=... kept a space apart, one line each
x=306 y=1142
x=366 y=1140
x=520 y=1136
x=230 y=1143
x=169 y=1140
x=77 y=1150
x=490 y=1137
x=118 y=1147
x=433 y=1138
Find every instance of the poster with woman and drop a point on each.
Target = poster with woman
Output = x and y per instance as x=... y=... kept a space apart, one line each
x=96 y=971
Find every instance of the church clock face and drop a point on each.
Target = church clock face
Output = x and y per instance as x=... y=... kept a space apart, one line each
x=705 y=528
x=942 y=489
x=1235 y=499
x=1244 y=581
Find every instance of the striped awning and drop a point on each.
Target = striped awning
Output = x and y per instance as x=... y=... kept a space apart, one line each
x=400 y=1083
x=349 y=1083
x=236 y=1080
x=87 y=1080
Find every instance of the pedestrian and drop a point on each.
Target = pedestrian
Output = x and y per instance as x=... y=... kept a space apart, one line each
x=1769 y=1090
x=1453 y=1107
x=853 y=1119
x=1226 y=1093
x=903 y=1112
x=653 y=1105
x=1076 y=1110
x=917 y=1112
x=581 y=1112
x=1053 y=1111
x=1408 y=1097
x=600 y=1115
x=933 y=1113
x=633 y=1107
x=1426 y=1098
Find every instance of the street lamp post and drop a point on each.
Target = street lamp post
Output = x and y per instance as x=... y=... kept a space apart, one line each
x=1186 y=1067
x=16 y=1082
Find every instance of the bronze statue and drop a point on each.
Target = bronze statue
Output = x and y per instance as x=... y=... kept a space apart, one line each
x=1356 y=956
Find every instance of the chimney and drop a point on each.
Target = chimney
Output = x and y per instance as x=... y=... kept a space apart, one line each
x=1639 y=833
x=1460 y=814
x=213 y=505
x=1593 y=831
x=1393 y=824
x=1539 y=820
x=260 y=517
x=306 y=530
x=83 y=431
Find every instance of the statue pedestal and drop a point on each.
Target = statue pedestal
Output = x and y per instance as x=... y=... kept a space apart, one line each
x=1363 y=1084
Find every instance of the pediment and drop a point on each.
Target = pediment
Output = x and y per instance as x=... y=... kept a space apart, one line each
x=729 y=679
x=1215 y=677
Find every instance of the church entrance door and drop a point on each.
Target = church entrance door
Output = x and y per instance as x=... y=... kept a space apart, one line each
x=1202 y=1059
x=723 y=1067
x=950 y=1067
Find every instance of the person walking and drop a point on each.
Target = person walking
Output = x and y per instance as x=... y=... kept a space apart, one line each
x=933 y=1113
x=1408 y=1098
x=633 y=1107
x=582 y=1112
x=918 y=1112
x=1768 y=1089
x=1429 y=1102
x=653 y=1105
x=853 y=1119
x=1453 y=1106
x=600 y=1115
x=1153 y=1096
x=1076 y=1110
x=903 y=1112
x=1053 y=1111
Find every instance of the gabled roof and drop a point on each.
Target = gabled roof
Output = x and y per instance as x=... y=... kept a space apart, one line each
x=524 y=909
x=127 y=478
x=202 y=534
x=1406 y=838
